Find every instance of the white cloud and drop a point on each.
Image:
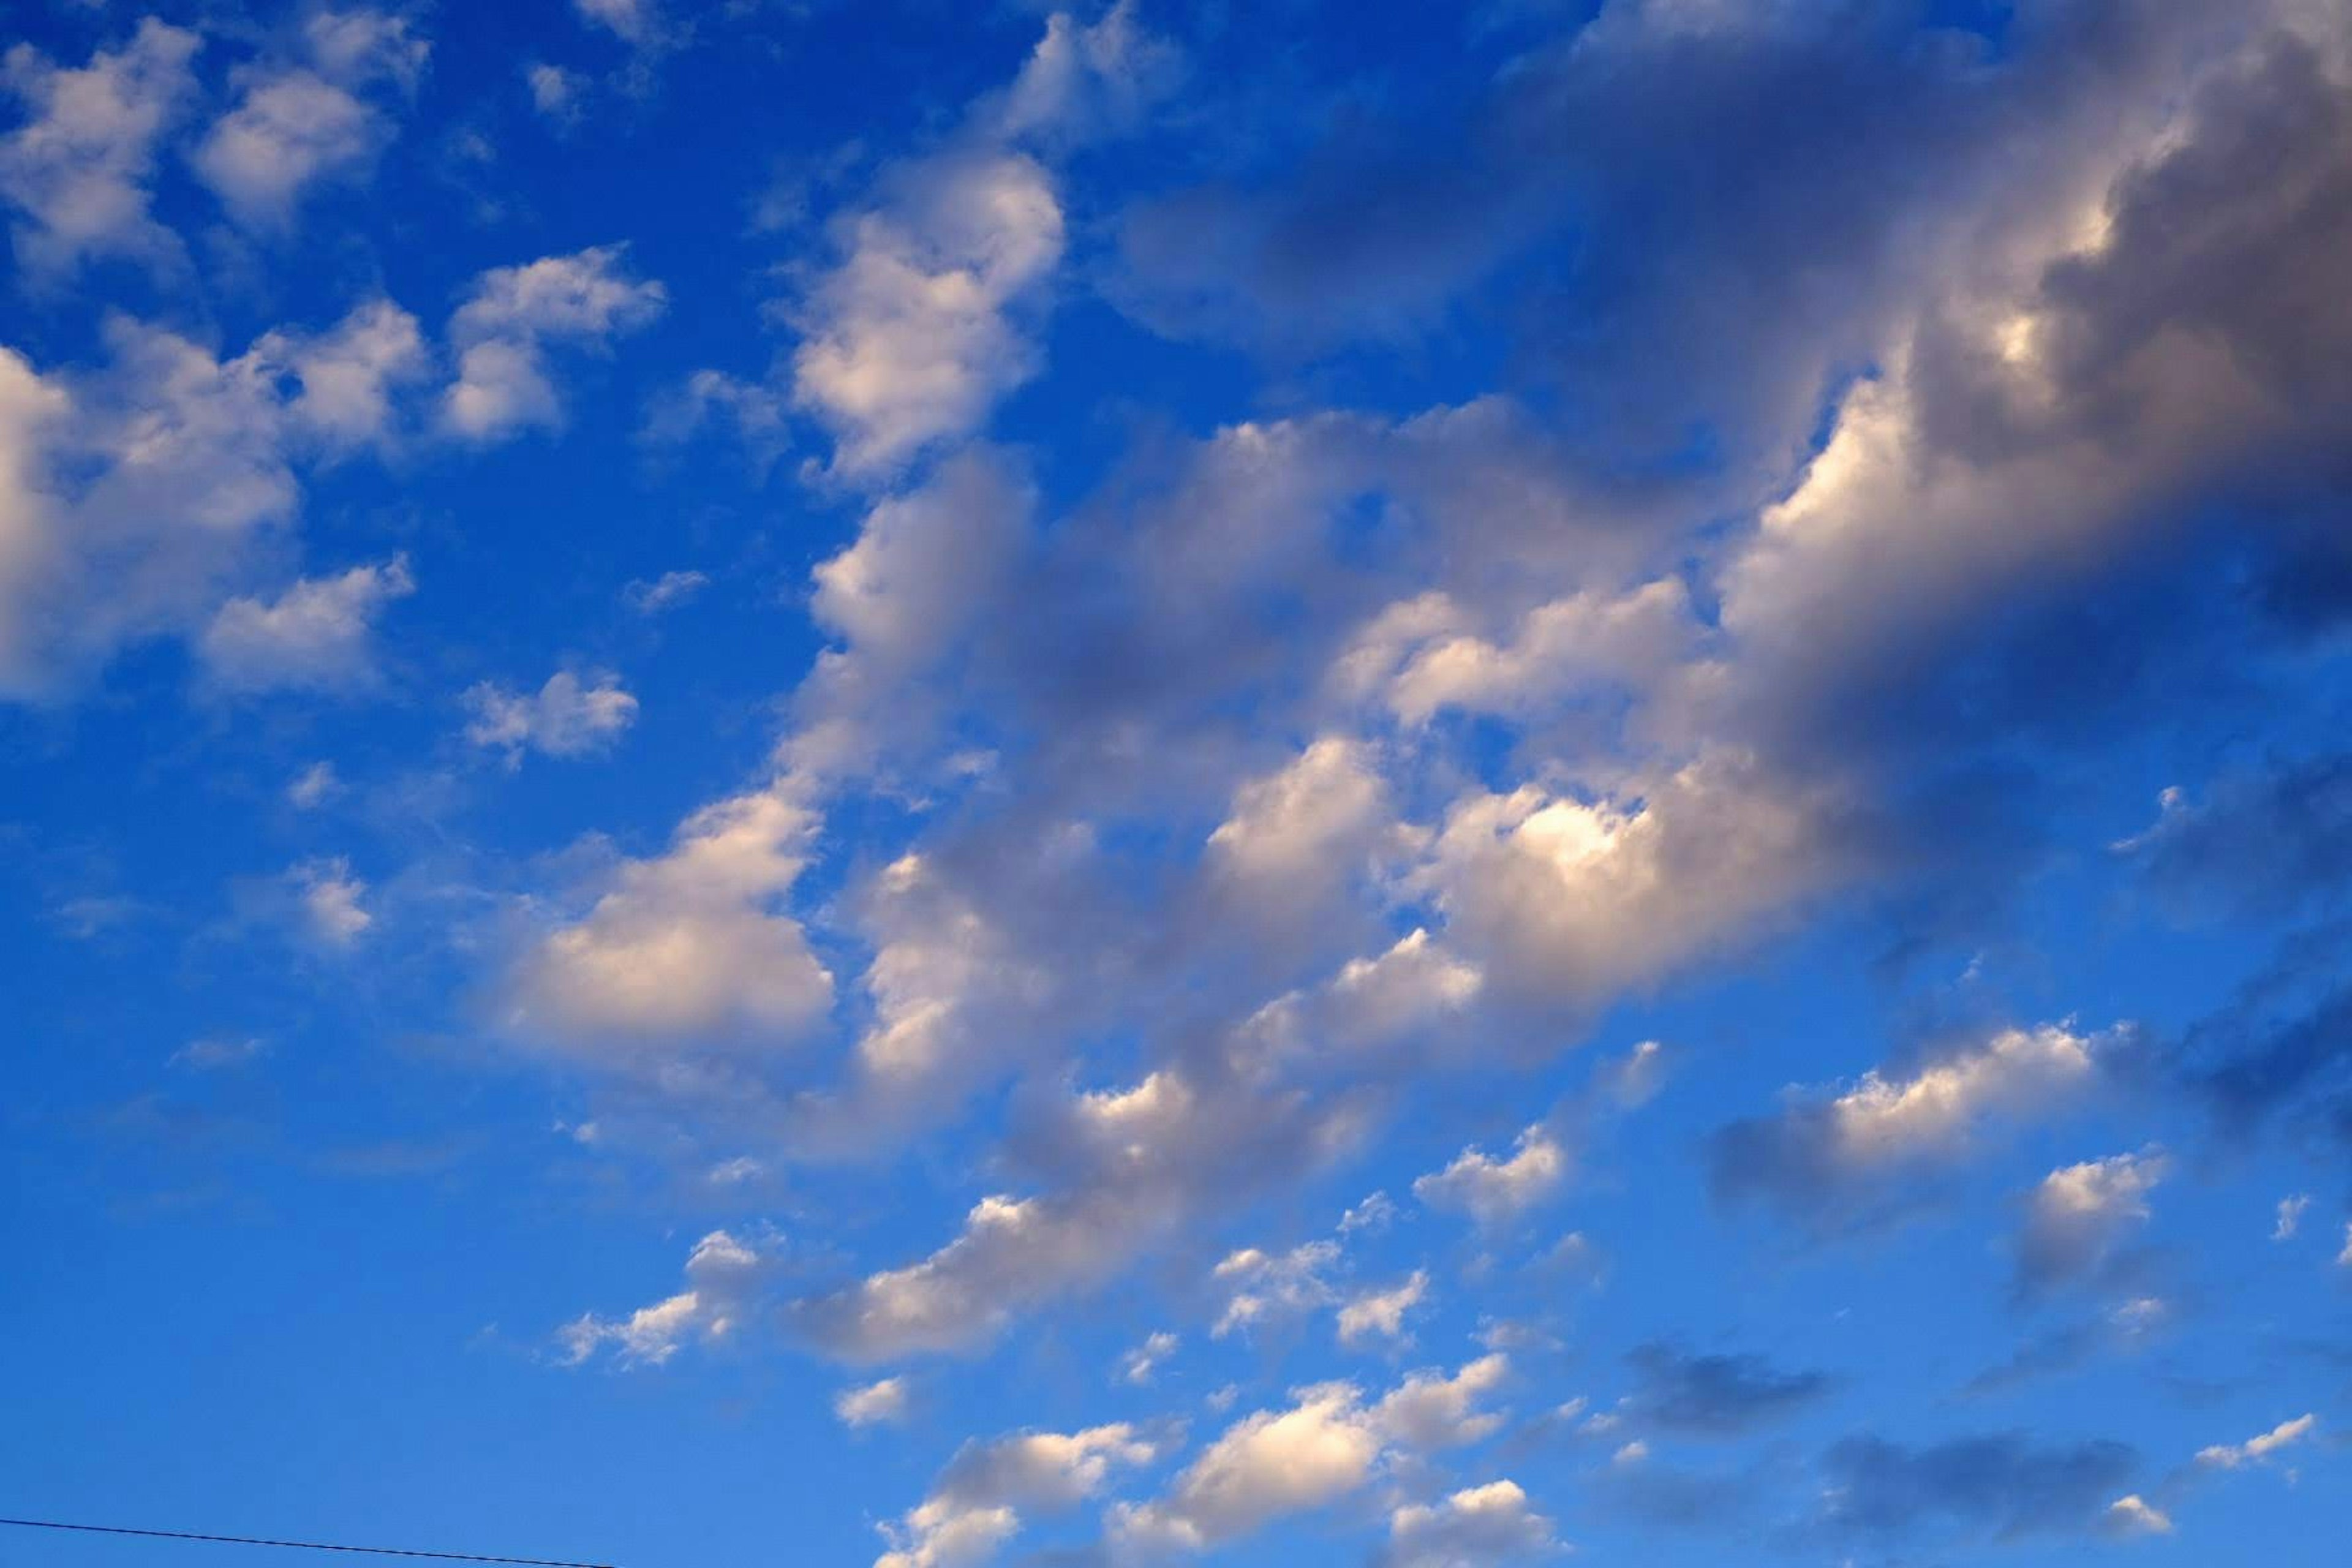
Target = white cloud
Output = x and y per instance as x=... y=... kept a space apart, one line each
x=2134 y=1515
x=910 y=339
x=555 y=92
x=2079 y=1212
x=1382 y=1313
x=1496 y=1192
x=567 y=717
x=1473 y=1528
x=2291 y=1211
x=879 y=1403
x=637 y=22
x=722 y=1276
x=2258 y=1449
x=296 y=127
x=313 y=787
x=503 y=331
x=215 y=1052
x=685 y=949
x=1269 y=1288
x=327 y=897
x=77 y=170
x=2344 y=1259
x=319 y=636
x=1142 y=1363
x=1325 y=1446
x=976 y=1505
x=665 y=592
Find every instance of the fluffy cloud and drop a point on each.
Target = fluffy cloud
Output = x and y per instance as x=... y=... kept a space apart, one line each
x=684 y=949
x=722 y=1275
x=909 y=338
x=77 y=170
x=316 y=637
x=1381 y=1313
x=328 y=902
x=2260 y=1448
x=2079 y=1213
x=568 y=717
x=1823 y=1151
x=977 y=1502
x=1328 y=1443
x=1473 y=1528
x=515 y=314
x=878 y=1403
x=1496 y=1192
x=297 y=126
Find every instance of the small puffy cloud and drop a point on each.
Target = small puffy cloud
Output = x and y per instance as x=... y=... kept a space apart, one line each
x=1716 y=1396
x=555 y=92
x=753 y=413
x=76 y=171
x=880 y=1403
x=977 y=1503
x=297 y=126
x=328 y=900
x=313 y=787
x=1824 y=1151
x=723 y=1276
x=1498 y=1191
x=1265 y=1288
x=2344 y=1259
x=1381 y=1313
x=1083 y=77
x=1142 y=1363
x=514 y=314
x=568 y=717
x=350 y=377
x=664 y=593
x=317 y=636
x=2258 y=1449
x=636 y=22
x=2291 y=1211
x=2132 y=1514
x=910 y=338
x=1476 y=1527
x=684 y=949
x=1328 y=1443
x=2079 y=1213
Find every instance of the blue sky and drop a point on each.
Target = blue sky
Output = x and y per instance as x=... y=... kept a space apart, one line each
x=927 y=786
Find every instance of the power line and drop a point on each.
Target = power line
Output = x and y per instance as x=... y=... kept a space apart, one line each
x=296 y=1545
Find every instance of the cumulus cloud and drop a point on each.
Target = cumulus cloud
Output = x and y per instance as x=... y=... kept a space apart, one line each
x=2132 y=1514
x=723 y=1276
x=1381 y=1313
x=880 y=1403
x=2291 y=1211
x=910 y=338
x=2260 y=1448
x=317 y=636
x=683 y=949
x=1142 y=1363
x=2079 y=1214
x=515 y=315
x=1499 y=1191
x=1825 y=1152
x=978 y=1501
x=567 y=717
x=1326 y=1444
x=77 y=171
x=297 y=126
x=1473 y=1528
x=133 y=497
x=328 y=901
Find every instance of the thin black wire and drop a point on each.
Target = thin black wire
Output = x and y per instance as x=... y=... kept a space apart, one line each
x=298 y=1545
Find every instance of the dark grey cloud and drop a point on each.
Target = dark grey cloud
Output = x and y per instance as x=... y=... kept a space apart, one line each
x=2001 y=1487
x=1718 y=1396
